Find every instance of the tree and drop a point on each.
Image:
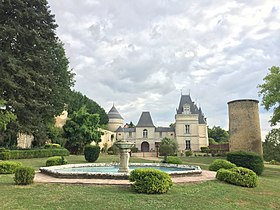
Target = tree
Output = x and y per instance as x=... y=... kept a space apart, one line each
x=271 y=93
x=167 y=147
x=271 y=146
x=77 y=100
x=34 y=76
x=81 y=129
x=5 y=116
x=218 y=134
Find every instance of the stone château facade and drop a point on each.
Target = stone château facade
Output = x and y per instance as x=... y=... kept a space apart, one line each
x=190 y=130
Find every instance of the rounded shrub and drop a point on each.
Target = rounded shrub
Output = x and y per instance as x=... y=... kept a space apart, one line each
x=24 y=175
x=173 y=160
x=113 y=150
x=248 y=160
x=238 y=176
x=188 y=153
x=56 y=160
x=220 y=163
x=9 y=167
x=150 y=181
x=5 y=154
x=91 y=153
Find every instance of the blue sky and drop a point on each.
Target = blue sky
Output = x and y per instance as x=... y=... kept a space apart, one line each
x=142 y=54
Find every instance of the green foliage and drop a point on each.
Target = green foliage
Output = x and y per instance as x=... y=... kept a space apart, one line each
x=91 y=153
x=51 y=145
x=5 y=155
x=204 y=149
x=218 y=134
x=81 y=129
x=167 y=147
x=271 y=146
x=270 y=91
x=113 y=150
x=150 y=181
x=248 y=160
x=173 y=160
x=8 y=167
x=24 y=175
x=35 y=80
x=212 y=141
x=56 y=160
x=238 y=176
x=5 y=116
x=78 y=100
x=134 y=149
x=55 y=134
x=188 y=153
x=220 y=163
x=36 y=153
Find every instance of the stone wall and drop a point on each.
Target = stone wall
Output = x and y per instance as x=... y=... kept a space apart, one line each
x=24 y=140
x=244 y=126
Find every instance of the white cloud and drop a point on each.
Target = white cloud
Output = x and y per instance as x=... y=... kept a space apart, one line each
x=140 y=54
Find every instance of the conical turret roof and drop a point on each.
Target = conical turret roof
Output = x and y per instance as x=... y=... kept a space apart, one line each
x=145 y=120
x=114 y=114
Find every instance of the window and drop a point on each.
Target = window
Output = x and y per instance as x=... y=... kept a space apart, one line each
x=130 y=134
x=187 y=128
x=145 y=133
x=188 y=144
x=186 y=109
x=160 y=134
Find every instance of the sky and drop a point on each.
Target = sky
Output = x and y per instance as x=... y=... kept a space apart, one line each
x=141 y=55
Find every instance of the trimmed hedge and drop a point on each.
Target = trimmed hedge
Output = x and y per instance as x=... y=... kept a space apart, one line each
x=56 y=160
x=91 y=153
x=248 y=160
x=173 y=160
x=238 y=176
x=150 y=181
x=5 y=154
x=24 y=175
x=9 y=167
x=35 y=153
x=221 y=163
x=51 y=146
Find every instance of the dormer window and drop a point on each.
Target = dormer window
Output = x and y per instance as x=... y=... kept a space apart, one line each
x=186 y=109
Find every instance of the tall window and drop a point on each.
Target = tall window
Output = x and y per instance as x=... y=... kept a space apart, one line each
x=188 y=144
x=145 y=133
x=187 y=128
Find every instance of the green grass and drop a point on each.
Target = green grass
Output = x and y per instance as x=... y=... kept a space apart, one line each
x=207 y=195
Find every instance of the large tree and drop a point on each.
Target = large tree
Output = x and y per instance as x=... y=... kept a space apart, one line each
x=81 y=129
x=34 y=76
x=77 y=100
x=218 y=134
x=167 y=147
x=270 y=91
x=271 y=146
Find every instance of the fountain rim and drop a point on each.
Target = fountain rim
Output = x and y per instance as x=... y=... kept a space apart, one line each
x=52 y=170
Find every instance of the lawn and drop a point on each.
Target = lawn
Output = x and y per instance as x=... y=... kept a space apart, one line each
x=207 y=195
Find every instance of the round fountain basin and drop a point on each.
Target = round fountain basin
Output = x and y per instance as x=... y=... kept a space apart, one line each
x=110 y=170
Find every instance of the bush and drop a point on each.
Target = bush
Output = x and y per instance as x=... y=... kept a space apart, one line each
x=188 y=153
x=24 y=175
x=113 y=150
x=134 y=149
x=248 y=160
x=9 y=167
x=51 y=146
x=5 y=154
x=220 y=163
x=91 y=153
x=56 y=160
x=36 y=153
x=173 y=160
x=150 y=181
x=204 y=149
x=238 y=176
x=273 y=162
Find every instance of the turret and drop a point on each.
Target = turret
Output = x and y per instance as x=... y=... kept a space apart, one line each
x=115 y=119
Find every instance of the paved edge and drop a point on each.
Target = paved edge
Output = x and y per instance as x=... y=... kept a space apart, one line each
x=43 y=178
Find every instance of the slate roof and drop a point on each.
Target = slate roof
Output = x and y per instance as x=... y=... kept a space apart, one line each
x=114 y=114
x=120 y=129
x=145 y=120
x=165 y=129
x=186 y=99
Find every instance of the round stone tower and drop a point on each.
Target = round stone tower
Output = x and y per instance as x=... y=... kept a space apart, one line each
x=244 y=126
x=115 y=119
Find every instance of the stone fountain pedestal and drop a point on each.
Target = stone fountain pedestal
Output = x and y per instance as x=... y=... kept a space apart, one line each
x=124 y=147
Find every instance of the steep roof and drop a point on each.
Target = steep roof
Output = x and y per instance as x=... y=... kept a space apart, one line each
x=165 y=129
x=114 y=114
x=145 y=120
x=120 y=129
x=201 y=117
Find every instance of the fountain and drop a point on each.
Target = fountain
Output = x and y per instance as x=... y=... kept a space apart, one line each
x=124 y=147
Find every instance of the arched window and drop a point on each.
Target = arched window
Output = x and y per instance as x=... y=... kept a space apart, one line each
x=145 y=133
